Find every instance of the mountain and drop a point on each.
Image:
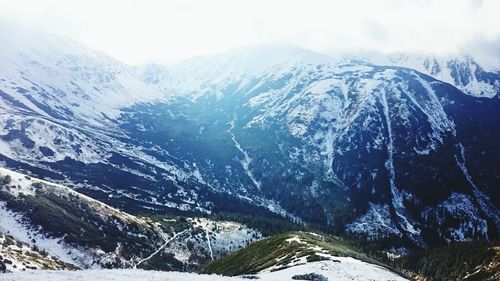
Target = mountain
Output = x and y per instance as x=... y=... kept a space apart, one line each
x=60 y=111
x=366 y=149
x=295 y=251
x=386 y=153
x=464 y=72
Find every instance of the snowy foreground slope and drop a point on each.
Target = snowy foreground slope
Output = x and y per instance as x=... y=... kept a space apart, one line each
x=339 y=269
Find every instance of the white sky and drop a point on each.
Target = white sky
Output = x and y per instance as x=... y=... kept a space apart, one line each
x=171 y=30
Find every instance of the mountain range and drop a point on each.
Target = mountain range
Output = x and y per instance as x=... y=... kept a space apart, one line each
x=400 y=149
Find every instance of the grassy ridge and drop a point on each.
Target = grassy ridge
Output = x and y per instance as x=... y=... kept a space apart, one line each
x=281 y=250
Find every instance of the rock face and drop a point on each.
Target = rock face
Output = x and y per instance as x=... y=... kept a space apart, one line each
x=377 y=151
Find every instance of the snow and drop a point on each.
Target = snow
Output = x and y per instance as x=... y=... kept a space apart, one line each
x=224 y=237
x=434 y=110
x=209 y=244
x=70 y=72
x=482 y=199
x=71 y=143
x=275 y=207
x=376 y=220
x=110 y=275
x=442 y=68
x=339 y=269
x=295 y=239
x=209 y=74
x=459 y=206
x=19 y=183
x=246 y=158
x=11 y=224
x=397 y=199
x=23 y=257
x=16 y=225
x=102 y=208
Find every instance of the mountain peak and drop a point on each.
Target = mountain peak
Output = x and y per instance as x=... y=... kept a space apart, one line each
x=462 y=71
x=252 y=60
x=31 y=43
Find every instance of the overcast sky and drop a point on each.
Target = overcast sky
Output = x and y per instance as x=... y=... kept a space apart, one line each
x=170 y=30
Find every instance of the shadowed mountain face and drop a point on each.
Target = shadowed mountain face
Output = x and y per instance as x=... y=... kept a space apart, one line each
x=368 y=150
x=362 y=148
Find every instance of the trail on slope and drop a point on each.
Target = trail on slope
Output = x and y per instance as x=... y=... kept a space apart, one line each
x=160 y=249
x=209 y=244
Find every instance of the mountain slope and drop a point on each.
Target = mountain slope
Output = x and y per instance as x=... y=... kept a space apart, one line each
x=18 y=256
x=60 y=108
x=71 y=226
x=476 y=260
x=83 y=232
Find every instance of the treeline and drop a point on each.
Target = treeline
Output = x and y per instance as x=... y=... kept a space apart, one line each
x=266 y=225
x=442 y=263
x=450 y=262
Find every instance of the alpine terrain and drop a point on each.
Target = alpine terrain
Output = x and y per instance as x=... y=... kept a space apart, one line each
x=109 y=165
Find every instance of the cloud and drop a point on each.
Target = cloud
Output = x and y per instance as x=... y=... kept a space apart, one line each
x=137 y=31
x=485 y=50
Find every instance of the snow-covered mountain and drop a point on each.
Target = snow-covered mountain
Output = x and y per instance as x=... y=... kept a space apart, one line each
x=379 y=150
x=60 y=110
x=355 y=147
x=66 y=80
x=464 y=72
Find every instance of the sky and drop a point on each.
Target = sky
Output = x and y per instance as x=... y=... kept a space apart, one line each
x=139 y=31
